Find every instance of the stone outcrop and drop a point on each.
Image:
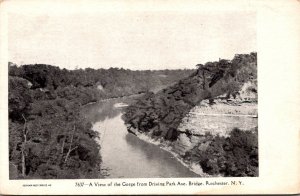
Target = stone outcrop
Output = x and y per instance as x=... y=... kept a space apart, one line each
x=161 y=114
x=217 y=117
x=208 y=119
x=185 y=143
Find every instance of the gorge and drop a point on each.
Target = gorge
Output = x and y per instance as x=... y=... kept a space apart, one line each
x=119 y=123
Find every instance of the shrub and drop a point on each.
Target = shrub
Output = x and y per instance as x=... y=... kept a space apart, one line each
x=236 y=155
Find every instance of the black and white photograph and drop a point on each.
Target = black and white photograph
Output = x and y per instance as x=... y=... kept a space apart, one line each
x=137 y=95
x=133 y=96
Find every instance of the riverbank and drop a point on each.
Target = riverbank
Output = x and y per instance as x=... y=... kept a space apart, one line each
x=113 y=98
x=203 y=126
x=125 y=155
x=167 y=146
x=217 y=161
x=46 y=103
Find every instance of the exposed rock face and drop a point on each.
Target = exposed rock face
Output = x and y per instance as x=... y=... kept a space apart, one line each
x=209 y=119
x=161 y=113
x=194 y=128
x=220 y=115
x=185 y=143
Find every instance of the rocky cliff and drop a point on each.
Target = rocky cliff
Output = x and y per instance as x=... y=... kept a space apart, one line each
x=160 y=114
x=208 y=120
x=218 y=118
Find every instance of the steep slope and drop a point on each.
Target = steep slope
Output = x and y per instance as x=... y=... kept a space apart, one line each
x=160 y=114
x=49 y=136
x=207 y=120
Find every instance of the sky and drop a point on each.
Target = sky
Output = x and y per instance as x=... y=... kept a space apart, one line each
x=132 y=40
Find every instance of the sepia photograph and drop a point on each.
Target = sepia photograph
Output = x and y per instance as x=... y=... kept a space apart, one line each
x=152 y=97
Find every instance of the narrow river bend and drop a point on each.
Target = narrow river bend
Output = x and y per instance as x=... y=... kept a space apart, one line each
x=123 y=154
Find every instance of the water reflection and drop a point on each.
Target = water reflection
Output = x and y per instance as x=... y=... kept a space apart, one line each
x=104 y=109
x=100 y=111
x=165 y=163
x=125 y=155
x=144 y=147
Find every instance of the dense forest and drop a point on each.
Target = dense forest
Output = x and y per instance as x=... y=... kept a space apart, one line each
x=48 y=135
x=159 y=114
x=163 y=111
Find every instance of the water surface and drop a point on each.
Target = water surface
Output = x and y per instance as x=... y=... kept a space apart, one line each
x=123 y=154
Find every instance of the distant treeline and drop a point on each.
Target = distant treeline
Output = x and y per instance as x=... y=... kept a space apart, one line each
x=48 y=135
x=113 y=82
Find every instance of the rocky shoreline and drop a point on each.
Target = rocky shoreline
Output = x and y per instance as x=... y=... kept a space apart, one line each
x=191 y=139
x=208 y=118
x=167 y=146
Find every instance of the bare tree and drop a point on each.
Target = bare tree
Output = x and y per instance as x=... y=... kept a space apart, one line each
x=70 y=147
x=24 y=147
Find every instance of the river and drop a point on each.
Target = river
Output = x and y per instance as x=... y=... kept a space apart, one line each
x=123 y=154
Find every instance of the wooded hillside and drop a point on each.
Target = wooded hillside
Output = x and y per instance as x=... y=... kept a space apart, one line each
x=48 y=135
x=158 y=115
x=162 y=112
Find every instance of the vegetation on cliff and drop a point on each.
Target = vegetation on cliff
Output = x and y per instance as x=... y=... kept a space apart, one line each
x=159 y=115
x=235 y=155
x=48 y=135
